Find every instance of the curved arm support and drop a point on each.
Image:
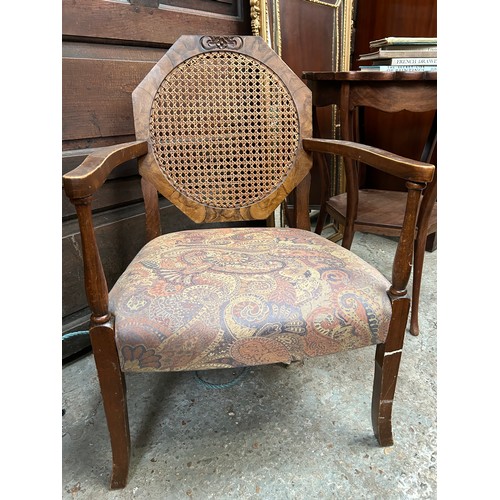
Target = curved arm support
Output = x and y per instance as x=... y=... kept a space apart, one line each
x=417 y=175
x=405 y=168
x=401 y=267
x=96 y=287
x=90 y=175
x=79 y=185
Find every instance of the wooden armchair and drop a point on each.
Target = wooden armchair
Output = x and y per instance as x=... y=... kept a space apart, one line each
x=223 y=131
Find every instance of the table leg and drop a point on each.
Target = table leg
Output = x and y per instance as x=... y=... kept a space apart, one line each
x=424 y=213
x=351 y=168
x=324 y=173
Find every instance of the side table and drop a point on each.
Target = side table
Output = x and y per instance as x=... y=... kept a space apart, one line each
x=372 y=210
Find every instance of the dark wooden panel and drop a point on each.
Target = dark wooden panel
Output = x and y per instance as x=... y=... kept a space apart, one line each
x=403 y=133
x=88 y=50
x=96 y=96
x=307 y=36
x=383 y=18
x=228 y=7
x=114 y=21
x=97 y=83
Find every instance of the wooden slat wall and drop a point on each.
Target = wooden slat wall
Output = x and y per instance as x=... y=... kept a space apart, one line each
x=106 y=79
x=133 y=23
x=108 y=47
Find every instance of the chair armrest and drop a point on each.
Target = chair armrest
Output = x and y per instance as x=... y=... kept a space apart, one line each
x=90 y=175
x=416 y=173
x=79 y=185
x=411 y=170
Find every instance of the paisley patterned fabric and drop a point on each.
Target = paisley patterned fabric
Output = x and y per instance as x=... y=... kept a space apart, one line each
x=221 y=298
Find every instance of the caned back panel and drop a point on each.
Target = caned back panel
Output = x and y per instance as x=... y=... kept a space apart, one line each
x=224 y=128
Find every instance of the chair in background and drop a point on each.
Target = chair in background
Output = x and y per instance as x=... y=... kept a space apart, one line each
x=223 y=130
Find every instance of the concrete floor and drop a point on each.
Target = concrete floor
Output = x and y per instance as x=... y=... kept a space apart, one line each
x=302 y=432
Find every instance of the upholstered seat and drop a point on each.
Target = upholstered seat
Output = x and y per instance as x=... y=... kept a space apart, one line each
x=221 y=298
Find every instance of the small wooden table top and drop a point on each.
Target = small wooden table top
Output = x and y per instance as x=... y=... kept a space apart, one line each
x=389 y=91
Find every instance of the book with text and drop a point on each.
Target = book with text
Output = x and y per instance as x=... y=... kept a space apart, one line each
x=399 y=68
x=405 y=61
x=386 y=54
x=420 y=48
x=400 y=40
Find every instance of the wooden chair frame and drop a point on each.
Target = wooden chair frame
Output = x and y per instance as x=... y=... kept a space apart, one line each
x=83 y=182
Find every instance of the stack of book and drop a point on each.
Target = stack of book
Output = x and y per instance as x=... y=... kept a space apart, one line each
x=400 y=54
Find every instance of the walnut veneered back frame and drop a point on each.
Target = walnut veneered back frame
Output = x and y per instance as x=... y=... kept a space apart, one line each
x=229 y=148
